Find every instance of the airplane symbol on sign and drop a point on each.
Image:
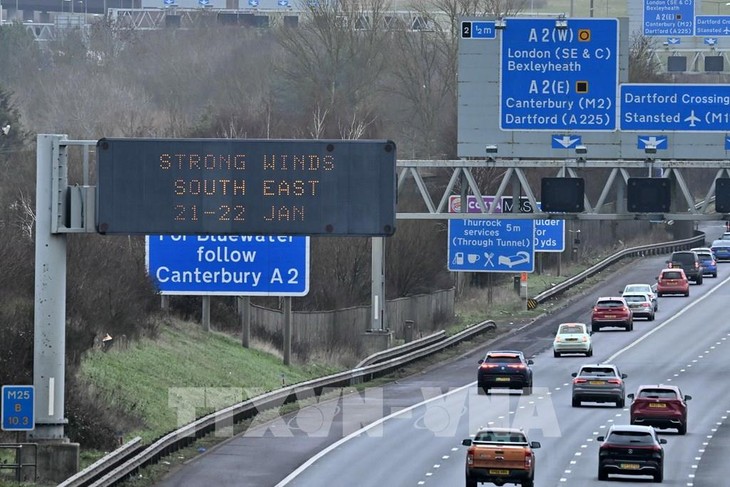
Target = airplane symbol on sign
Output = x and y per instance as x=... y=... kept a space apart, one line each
x=692 y=119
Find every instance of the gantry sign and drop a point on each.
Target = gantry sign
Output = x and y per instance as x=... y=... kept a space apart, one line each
x=538 y=88
x=246 y=187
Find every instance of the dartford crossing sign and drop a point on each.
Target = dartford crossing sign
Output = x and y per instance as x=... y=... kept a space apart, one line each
x=559 y=77
x=675 y=107
x=229 y=265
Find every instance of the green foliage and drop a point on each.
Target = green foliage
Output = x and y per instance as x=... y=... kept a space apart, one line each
x=138 y=380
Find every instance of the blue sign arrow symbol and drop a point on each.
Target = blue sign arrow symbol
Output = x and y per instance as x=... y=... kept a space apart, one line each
x=652 y=141
x=727 y=143
x=565 y=141
x=203 y=2
x=283 y=3
x=253 y=3
x=169 y=2
x=710 y=41
x=673 y=40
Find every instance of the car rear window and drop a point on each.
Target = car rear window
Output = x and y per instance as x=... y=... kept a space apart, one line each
x=658 y=394
x=571 y=329
x=637 y=289
x=610 y=304
x=503 y=359
x=500 y=437
x=672 y=275
x=598 y=371
x=685 y=258
x=637 y=298
x=631 y=438
x=704 y=255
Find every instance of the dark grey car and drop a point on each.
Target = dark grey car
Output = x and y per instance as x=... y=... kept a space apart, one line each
x=599 y=383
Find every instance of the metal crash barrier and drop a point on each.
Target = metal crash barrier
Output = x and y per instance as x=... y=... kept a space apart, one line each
x=20 y=460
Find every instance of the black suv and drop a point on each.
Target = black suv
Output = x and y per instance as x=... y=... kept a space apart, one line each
x=504 y=369
x=690 y=263
x=631 y=450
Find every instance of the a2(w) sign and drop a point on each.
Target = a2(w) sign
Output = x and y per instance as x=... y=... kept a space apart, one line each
x=18 y=408
x=229 y=265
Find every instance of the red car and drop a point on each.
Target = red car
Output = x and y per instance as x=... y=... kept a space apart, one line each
x=612 y=312
x=672 y=281
x=660 y=406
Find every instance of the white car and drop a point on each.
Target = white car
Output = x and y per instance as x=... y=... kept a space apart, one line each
x=641 y=305
x=643 y=289
x=573 y=338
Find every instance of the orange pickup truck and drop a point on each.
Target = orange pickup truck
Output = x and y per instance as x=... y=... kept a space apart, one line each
x=500 y=456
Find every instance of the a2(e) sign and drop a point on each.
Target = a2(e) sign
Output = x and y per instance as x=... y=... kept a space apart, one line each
x=249 y=187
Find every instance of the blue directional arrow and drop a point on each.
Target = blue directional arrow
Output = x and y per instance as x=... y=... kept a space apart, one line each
x=673 y=40
x=727 y=142
x=253 y=3
x=283 y=3
x=561 y=141
x=710 y=41
x=658 y=143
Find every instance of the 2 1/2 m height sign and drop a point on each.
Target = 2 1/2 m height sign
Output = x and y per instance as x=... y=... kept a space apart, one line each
x=246 y=187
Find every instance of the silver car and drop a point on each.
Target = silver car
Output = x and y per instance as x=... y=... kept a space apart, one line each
x=599 y=383
x=643 y=289
x=641 y=305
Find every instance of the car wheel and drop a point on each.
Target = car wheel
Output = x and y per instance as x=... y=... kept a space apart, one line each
x=659 y=295
x=470 y=482
x=659 y=475
x=528 y=483
x=651 y=317
x=602 y=475
x=527 y=391
x=576 y=402
x=556 y=354
x=629 y=326
x=589 y=353
x=682 y=430
x=714 y=274
x=686 y=295
x=595 y=328
x=620 y=403
x=699 y=280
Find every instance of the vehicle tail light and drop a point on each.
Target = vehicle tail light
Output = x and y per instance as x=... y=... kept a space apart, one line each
x=579 y=381
x=697 y=265
x=670 y=266
x=614 y=381
x=470 y=458
x=624 y=309
x=558 y=339
x=585 y=338
x=645 y=305
x=489 y=366
x=528 y=460
x=517 y=366
x=713 y=262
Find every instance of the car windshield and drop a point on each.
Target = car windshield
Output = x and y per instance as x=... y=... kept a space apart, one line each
x=684 y=258
x=598 y=371
x=636 y=298
x=500 y=437
x=570 y=329
x=672 y=275
x=609 y=304
x=658 y=394
x=503 y=359
x=631 y=438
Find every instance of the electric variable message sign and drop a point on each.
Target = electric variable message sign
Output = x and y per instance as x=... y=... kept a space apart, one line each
x=251 y=187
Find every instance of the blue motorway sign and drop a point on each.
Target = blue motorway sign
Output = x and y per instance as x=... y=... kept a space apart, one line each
x=669 y=17
x=712 y=25
x=559 y=78
x=675 y=107
x=473 y=29
x=727 y=143
x=229 y=265
x=549 y=234
x=489 y=245
x=18 y=408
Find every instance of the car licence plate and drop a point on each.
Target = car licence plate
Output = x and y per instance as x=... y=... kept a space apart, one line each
x=597 y=382
x=610 y=316
x=629 y=466
x=494 y=471
x=502 y=379
x=657 y=405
